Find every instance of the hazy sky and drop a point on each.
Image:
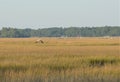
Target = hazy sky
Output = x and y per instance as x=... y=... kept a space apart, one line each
x=60 y=13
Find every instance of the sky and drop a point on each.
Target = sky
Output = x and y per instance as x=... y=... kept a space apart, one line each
x=59 y=13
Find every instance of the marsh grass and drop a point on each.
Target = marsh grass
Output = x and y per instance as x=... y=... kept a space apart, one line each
x=102 y=61
x=60 y=60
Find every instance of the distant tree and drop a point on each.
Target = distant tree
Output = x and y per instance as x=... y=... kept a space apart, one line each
x=72 y=32
x=58 y=32
x=4 y=32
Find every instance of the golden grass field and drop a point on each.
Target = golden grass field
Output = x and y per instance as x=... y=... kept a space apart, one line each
x=60 y=60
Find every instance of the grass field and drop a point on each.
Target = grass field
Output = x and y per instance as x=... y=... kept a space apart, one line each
x=60 y=60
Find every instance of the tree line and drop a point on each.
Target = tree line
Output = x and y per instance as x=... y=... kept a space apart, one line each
x=61 y=32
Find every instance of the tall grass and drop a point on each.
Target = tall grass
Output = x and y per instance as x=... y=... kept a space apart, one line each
x=60 y=60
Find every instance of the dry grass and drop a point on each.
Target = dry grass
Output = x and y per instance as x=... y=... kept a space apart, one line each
x=60 y=60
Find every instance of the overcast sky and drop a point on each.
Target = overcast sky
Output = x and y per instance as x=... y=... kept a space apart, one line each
x=60 y=13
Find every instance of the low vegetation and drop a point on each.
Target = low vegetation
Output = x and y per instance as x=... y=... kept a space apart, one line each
x=60 y=60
